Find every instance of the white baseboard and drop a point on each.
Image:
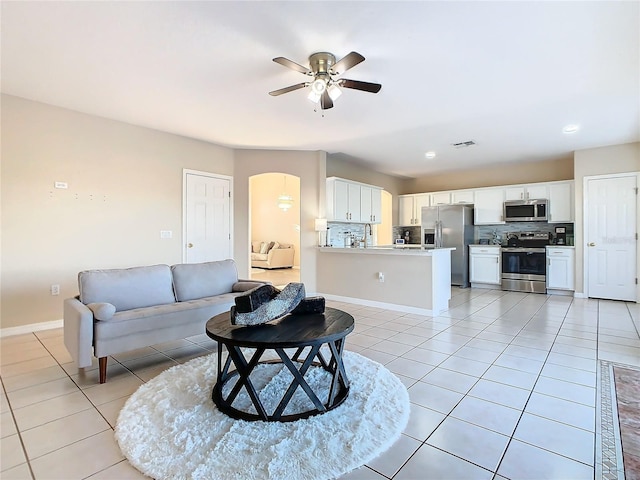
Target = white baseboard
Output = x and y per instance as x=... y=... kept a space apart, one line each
x=32 y=327
x=386 y=306
x=579 y=295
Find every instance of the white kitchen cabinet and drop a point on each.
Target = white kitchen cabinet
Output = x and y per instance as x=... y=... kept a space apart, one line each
x=462 y=197
x=410 y=209
x=485 y=264
x=560 y=268
x=370 y=204
x=440 y=198
x=526 y=192
x=488 y=206
x=349 y=201
x=561 y=202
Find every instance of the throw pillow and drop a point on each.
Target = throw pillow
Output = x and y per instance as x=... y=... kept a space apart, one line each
x=270 y=246
x=102 y=311
x=264 y=247
x=276 y=245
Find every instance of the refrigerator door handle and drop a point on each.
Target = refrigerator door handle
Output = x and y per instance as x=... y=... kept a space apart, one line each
x=438 y=234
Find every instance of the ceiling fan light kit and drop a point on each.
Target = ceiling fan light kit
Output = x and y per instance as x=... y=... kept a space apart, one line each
x=325 y=86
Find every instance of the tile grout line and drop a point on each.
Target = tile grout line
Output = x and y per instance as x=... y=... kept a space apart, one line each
x=531 y=394
x=423 y=443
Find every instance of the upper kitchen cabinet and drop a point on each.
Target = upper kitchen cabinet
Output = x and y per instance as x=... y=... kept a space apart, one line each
x=370 y=204
x=456 y=197
x=410 y=209
x=561 y=202
x=440 y=198
x=462 y=197
x=526 y=192
x=354 y=202
x=488 y=205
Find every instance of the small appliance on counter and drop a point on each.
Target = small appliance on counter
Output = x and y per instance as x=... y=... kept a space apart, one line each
x=561 y=236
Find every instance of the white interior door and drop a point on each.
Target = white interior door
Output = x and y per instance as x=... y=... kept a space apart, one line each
x=207 y=218
x=611 y=237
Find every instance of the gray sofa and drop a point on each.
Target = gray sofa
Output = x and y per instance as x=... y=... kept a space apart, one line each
x=120 y=310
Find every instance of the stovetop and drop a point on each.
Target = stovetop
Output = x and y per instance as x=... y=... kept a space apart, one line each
x=529 y=239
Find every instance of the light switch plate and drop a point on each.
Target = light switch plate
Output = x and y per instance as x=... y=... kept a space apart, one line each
x=166 y=234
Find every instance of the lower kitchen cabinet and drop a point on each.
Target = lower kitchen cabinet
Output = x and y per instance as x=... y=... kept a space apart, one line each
x=484 y=265
x=560 y=268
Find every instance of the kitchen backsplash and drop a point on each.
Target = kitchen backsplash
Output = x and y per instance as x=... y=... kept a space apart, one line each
x=338 y=231
x=486 y=231
x=414 y=233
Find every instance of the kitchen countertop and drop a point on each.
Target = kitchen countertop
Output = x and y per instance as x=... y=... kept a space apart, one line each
x=386 y=250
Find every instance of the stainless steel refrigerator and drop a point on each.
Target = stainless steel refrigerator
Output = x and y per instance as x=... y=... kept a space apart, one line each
x=450 y=226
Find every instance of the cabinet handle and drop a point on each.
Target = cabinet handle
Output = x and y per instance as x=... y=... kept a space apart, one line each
x=497 y=259
x=548 y=261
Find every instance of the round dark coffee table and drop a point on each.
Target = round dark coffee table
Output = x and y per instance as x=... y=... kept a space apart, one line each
x=304 y=333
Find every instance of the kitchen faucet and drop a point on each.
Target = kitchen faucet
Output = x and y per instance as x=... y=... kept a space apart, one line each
x=365 y=233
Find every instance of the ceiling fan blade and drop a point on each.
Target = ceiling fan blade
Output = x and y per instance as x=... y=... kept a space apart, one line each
x=349 y=61
x=325 y=101
x=285 y=62
x=298 y=86
x=358 y=85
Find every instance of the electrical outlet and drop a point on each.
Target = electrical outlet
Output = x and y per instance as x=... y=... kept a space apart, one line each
x=381 y=277
x=55 y=289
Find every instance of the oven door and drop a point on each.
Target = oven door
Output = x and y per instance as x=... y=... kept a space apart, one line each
x=524 y=269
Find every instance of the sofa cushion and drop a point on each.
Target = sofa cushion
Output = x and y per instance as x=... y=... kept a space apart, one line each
x=127 y=288
x=260 y=256
x=200 y=280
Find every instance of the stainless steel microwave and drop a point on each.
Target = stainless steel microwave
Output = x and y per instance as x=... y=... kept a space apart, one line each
x=526 y=210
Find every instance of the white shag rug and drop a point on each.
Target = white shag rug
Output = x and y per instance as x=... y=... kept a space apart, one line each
x=171 y=429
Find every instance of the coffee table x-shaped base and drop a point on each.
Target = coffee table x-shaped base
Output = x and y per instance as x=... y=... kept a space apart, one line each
x=338 y=390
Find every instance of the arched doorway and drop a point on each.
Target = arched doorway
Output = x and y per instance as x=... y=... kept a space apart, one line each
x=274 y=224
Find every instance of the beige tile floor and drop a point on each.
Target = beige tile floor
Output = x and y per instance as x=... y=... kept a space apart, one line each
x=503 y=385
x=277 y=276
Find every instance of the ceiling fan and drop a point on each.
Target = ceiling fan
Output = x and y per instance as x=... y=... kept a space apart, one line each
x=324 y=69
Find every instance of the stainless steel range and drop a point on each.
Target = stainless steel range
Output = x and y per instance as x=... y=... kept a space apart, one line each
x=524 y=265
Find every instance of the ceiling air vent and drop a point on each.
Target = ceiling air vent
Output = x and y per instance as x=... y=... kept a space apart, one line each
x=466 y=144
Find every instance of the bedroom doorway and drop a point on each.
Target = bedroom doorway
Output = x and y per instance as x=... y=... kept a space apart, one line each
x=274 y=228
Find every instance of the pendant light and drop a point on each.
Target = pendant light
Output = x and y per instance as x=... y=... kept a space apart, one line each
x=285 y=201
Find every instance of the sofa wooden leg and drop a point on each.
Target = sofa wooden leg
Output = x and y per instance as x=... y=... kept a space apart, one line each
x=102 y=364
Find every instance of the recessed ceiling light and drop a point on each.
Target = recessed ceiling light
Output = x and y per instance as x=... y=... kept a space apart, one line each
x=430 y=155
x=571 y=129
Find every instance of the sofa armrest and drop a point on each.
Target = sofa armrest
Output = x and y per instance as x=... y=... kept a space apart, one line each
x=246 y=285
x=78 y=331
x=281 y=257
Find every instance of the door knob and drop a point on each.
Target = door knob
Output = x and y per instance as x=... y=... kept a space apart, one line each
x=591 y=244
x=190 y=245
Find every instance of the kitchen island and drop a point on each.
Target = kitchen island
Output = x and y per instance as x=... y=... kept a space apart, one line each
x=412 y=280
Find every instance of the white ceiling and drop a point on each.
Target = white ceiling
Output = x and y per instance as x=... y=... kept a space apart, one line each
x=508 y=75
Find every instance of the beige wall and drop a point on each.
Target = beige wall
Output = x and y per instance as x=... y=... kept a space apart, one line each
x=507 y=174
x=599 y=161
x=310 y=168
x=268 y=222
x=125 y=185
